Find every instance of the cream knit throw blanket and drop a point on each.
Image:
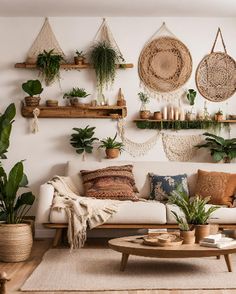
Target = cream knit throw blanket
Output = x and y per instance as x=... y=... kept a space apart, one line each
x=82 y=212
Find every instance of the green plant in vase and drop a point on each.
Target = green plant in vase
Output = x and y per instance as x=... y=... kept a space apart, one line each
x=76 y=96
x=191 y=96
x=48 y=64
x=32 y=88
x=83 y=140
x=105 y=58
x=220 y=148
x=144 y=99
x=79 y=58
x=112 y=147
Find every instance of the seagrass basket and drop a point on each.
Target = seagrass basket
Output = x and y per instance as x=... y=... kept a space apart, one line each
x=15 y=242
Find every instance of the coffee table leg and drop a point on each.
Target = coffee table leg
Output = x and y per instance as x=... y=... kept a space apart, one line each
x=124 y=260
x=228 y=262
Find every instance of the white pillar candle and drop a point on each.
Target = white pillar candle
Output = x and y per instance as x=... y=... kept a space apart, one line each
x=171 y=113
x=164 y=113
x=176 y=113
x=182 y=114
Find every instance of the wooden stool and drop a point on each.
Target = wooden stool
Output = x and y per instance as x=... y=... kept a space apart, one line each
x=3 y=281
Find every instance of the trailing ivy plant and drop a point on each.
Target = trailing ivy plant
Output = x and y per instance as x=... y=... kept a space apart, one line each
x=83 y=140
x=48 y=64
x=105 y=58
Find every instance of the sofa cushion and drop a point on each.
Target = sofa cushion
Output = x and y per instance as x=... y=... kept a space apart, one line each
x=113 y=182
x=223 y=215
x=218 y=185
x=163 y=186
x=148 y=212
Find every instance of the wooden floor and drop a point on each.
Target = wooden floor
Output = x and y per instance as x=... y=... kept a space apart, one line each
x=18 y=273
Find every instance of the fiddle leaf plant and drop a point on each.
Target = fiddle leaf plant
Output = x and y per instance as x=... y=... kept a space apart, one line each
x=32 y=87
x=48 y=64
x=13 y=208
x=83 y=140
x=220 y=148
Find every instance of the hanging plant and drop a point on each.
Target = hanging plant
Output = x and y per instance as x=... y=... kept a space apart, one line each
x=48 y=64
x=104 y=59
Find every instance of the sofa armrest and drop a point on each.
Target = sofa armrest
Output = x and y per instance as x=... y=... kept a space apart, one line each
x=46 y=193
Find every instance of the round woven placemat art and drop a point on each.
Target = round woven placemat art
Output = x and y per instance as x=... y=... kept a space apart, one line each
x=165 y=65
x=216 y=74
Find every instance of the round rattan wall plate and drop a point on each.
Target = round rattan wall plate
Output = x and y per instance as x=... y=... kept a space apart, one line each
x=216 y=76
x=165 y=65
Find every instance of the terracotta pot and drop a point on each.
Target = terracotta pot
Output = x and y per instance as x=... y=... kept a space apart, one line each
x=144 y=114
x=121 y=102
x=112 y=153
x=32 y=101
x=188 y=236
x=157 y=115
x=79 y=60
x=16 y=242
x=219 y=117
x=201 y=231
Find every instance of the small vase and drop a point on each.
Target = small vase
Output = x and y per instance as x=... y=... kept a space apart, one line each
x=201 y=231
x=188 y=236
x=145 y=114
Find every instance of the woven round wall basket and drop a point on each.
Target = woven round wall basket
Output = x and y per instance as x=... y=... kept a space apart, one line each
x=165 y=65
x=216 y=75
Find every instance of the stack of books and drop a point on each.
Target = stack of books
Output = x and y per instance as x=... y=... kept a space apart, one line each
x=218 y=241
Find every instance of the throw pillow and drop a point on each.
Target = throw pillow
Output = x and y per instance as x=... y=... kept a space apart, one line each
x=163 y=186
x=219 y=186
x=114 y=182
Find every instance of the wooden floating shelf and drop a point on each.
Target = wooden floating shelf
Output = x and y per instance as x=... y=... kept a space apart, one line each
x=69 y=66
x=181 y=125
x=111 y=112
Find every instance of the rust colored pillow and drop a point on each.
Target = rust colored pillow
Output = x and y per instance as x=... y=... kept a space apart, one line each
x=113 y=182
x=218 y=185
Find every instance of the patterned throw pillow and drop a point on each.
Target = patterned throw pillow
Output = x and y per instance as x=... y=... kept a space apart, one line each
x=162 y=186
x=220 y=186
x=114 y=182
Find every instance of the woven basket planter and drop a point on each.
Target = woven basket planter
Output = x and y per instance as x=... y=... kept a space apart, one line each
x=32 y=101
x=16 y=242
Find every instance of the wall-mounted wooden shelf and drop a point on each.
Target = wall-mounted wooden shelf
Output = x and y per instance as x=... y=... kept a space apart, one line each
x=181 y=125
x=111 y=112
x=69 y=66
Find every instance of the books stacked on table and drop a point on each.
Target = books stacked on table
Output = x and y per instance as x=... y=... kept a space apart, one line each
x=218 y=241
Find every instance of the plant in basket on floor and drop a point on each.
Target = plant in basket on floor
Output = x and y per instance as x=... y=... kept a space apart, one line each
x=112 y=147
x=77 y=96
x=220 y=148
x=194 y=211
x=32 y=88
x=83 y=140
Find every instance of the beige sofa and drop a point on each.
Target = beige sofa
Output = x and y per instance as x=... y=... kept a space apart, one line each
x=135 y=214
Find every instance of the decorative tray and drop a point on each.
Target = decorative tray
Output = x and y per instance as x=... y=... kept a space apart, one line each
x=163 y=240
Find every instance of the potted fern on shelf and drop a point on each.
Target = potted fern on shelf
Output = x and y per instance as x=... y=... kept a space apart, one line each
x=112 y=147
x=77 y=96
x=220 y=148
x=83 y=140
x=16 y=236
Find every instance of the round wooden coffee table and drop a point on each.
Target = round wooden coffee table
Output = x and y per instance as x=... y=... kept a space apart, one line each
x=134 y=246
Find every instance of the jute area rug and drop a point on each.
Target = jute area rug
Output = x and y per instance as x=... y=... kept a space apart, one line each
x=98 y=270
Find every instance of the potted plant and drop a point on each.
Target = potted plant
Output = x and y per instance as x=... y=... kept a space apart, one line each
x=79 y=58
x=104 y=58
x=32 y=87
x=219 y=115
x=194 y=210
x=83 y=140
x=77 y=96
x=144 y=98
x=16 y=236
x=48 y=64
x=191 y=96
x=220 y=148
x=112 y=147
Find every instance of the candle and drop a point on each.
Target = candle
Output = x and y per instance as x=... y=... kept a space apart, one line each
x=182 y=115
x=171 y=113
x=165 y=113
x=176 y=114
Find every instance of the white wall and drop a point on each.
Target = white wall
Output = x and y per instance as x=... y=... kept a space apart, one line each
x=47 y=151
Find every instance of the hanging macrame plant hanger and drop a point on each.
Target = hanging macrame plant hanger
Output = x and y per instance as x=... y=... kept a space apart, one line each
x=46 y=40
x=165 y=65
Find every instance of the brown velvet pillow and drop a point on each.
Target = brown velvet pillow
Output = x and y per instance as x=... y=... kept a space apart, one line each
x=218 y=185
x=113 y=182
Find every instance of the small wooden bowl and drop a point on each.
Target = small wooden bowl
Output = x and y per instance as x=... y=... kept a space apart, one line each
x=52 y=103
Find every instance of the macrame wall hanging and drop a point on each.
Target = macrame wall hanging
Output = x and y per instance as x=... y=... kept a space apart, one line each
x=133 y=148
x=165 y=65
x=45 y=40
x=216 y=74
x=180 y=148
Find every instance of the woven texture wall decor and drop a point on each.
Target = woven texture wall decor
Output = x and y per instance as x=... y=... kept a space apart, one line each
x=216 y=74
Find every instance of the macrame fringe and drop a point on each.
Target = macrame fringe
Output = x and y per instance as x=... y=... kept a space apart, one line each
x=35 y=122
x=180 y=148
x=136 y=149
